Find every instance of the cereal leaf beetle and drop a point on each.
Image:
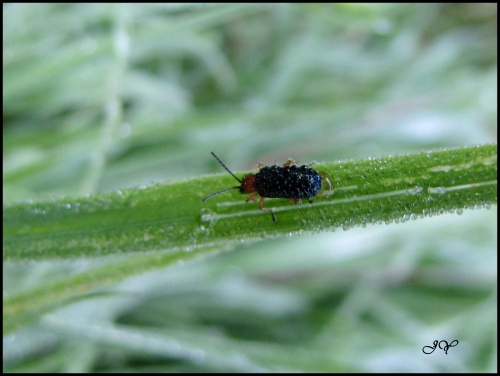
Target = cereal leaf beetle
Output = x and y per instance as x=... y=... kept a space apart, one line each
x=289 y=181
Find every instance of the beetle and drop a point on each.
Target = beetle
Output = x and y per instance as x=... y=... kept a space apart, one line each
x=289 y=181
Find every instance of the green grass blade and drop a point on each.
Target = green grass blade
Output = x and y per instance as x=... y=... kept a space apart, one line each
x=172 y=217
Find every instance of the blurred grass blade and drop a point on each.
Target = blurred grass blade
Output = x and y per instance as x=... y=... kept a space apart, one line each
x=28 y=306
x=170 y=218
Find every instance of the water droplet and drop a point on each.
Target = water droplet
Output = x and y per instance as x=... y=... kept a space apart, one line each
x=209 y=216
x=436 y=190
x=459 y=211
x=414 y=190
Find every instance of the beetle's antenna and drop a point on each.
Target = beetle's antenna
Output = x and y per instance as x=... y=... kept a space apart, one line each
x=224 y=190
x=228 y=170
x=216 y=193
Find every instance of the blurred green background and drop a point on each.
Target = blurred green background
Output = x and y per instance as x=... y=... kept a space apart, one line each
x=101 y=97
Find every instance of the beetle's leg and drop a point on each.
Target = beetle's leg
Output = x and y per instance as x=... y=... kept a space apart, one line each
x=289 y=163
x=260 y=165
x=295 y=200
x=261 y=207
x=261 y=203
x=329 y=183
x=252 y=196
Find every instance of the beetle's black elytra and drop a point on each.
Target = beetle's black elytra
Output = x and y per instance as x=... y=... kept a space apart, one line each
x=292 y=182
x=287 y=181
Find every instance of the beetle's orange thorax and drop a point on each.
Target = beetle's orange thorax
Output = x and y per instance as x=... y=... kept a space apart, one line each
x=248 y=184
